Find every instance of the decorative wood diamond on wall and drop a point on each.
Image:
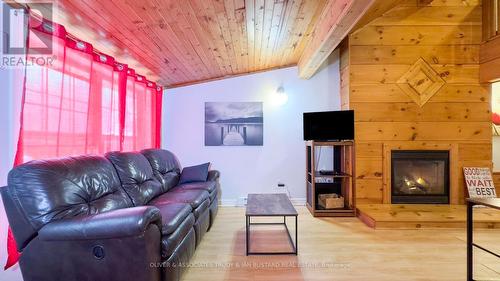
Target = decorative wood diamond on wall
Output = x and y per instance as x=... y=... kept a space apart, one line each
x=421 y=82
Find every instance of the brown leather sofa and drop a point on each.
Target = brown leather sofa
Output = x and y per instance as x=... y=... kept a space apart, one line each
x=119 y=217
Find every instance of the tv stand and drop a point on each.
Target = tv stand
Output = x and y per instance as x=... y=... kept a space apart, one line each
x=340 y=180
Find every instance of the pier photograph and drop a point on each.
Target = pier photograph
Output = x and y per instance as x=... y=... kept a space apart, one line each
x=234 y=124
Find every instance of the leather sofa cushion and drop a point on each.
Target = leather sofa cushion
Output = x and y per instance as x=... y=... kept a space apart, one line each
x=203 y=206
x=171 y=241
x=165 y=166
x=172 y=215
x=175 y=265
x=136 y=176
x=213 y=175
x=213 y=196
x=120 y=223
x=193 y=197
x=49 y=190
x=209 y=186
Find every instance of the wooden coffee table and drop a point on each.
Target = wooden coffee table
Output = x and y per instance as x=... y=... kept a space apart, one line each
x=270 y=205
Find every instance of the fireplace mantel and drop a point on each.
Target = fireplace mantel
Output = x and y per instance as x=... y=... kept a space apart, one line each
x=454 y=169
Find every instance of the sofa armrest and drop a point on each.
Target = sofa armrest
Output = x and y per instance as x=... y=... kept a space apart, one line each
x=213 y=175
x=113 y=224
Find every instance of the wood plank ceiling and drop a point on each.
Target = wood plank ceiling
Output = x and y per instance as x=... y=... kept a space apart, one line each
x=180 y=42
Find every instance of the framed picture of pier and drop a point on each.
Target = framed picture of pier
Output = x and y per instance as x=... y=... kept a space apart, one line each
x=234 y=123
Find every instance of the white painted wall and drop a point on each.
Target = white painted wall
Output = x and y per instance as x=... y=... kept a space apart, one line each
x=10 y=104
x=10 y=101
x=496 y=153
x=495 y=104
x=252 y=169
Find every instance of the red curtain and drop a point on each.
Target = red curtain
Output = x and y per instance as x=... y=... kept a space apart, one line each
x=143 y=108
x=82 y=103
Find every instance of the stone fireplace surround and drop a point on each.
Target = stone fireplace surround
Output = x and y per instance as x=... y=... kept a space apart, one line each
x=453 y=173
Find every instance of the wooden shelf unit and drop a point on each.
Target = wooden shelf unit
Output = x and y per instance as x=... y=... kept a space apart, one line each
x=343 y=180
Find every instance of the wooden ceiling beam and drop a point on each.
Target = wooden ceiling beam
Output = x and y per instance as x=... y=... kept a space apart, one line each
x=377 y=9
x=337 y=19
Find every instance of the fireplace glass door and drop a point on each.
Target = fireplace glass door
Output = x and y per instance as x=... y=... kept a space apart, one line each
x=420 y=177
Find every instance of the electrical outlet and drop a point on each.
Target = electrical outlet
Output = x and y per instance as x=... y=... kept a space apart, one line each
x=281 y=188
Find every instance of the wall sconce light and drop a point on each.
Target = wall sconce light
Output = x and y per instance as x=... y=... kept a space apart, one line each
x=280 y=97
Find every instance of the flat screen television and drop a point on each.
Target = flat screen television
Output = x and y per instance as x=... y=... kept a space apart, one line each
x=329 y=125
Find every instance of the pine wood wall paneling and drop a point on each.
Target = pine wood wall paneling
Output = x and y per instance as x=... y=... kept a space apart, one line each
x=446 y=3
x=369 y=168
x=449 y=93
x=375 y=35
x=496 y=181
x=446 y=34
x=489 y=30
x=377 y=9
x=344 y=89
x=369 y=150
x=490 y=50
x=431 y=112
x=490 y=71
x=474 y=151
x=390 y=73
x=490 y=58
x=344 y=73
x=431 y=16
x=444 y=54
x=344 y=53
x=423 y=131
x=369 y=190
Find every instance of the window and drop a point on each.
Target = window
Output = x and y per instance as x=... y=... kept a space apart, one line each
x=75 y=105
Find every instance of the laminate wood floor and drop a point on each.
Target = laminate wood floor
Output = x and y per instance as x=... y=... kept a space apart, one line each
x=338 y=249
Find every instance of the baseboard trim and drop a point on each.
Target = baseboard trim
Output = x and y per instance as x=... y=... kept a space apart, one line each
x=298 y=201
x=235 y=202
x=227 y=202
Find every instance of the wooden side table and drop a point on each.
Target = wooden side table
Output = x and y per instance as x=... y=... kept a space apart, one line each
x=488 y=202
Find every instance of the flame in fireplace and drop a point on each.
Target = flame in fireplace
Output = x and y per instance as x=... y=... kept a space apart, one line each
x=421 y=181
x=417 y=184
x=408 y=182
